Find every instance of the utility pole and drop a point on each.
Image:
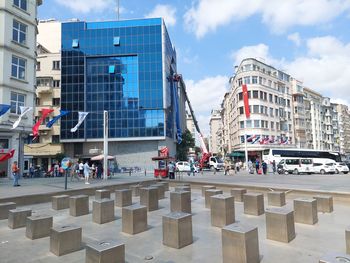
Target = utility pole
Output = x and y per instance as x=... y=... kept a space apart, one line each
x=118 y=10
x=105 y=145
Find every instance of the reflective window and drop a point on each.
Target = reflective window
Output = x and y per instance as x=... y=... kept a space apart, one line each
x=18 y=69
x=75 y=43
x=116 y=41
x=19 y=32
x=17 y=100
x=21 y=4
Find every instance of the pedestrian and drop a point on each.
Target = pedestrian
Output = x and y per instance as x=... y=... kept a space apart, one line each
x=15 y=173
x=237 y=167
x=75 y=172
x=264 y=167
x=192 y=168
x=86 y=172
x=99 y=170
x=250 y=167
x=81 y=169
x=93 y=169
x=31 y=171
x=257 y=166
x=171 y=170
x=56 y=170
x=227 y=167
x=274 y=166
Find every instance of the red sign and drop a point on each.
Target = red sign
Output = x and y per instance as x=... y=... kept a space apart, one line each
x=164 y=152
x=246 y=100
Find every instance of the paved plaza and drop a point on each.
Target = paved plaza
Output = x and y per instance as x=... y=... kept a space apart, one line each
x=311 y=242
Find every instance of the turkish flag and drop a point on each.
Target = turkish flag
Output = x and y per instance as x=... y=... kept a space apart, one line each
x=7 y=156
x=44 y=113
x=246 y=100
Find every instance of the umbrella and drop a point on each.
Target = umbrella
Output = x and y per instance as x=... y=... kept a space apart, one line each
x=100 y=157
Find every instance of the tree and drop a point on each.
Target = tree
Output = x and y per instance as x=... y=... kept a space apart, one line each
x=182 y=148
x=59 y=157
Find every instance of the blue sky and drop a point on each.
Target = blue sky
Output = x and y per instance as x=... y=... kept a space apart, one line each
x=309 y=39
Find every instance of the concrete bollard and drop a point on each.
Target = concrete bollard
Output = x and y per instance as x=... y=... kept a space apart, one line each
x=79 y=205
x=103 y=211
x=177 y=230
x=60 y=202
x=208 y=194
x=161 y=190
x=222 y=210
x=65 y=239
x=166 y=185
x=276 y=198
x=149 y=198
x=134 y=219
x=334 y=258
x=123 y=197
x=240 y=244
x=347 y=239
x=253 y=204
x=102 y=194
x=182 y=188
x=207 y=187
x=324 y=203
x=18 y=217
x=305 y=211
x=280 y=224
x=135 y=189
x=38 y=226
x=180 y=201
x=5 y=208
x=238 y=193
x=106 y=251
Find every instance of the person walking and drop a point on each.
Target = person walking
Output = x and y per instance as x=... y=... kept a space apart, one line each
x=99 y=170
x=31 y=171
x=257 y=166
x=81 y=169
x=56 y=170
x=93 y=169
x=15 y=173
x=75 y=172
x=192 y=168
x=264 y=167
x=274 y=166
x=250 y=167
x=237 y=167
x=86 y=172
x=171 y=170
x=227 y=167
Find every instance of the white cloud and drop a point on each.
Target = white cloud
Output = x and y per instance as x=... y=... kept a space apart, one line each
x=86 y=6
x=205 y=95
x=167 y=12
x=206 y=15
x=295 y=38
x=325 y=67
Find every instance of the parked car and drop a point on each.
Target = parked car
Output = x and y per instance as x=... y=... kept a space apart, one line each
x=323 y=167
x=295 y=166
x=341 y=168
x=183 y=166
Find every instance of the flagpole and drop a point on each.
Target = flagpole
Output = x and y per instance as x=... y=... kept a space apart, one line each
x=105 y=144
x=246 y=151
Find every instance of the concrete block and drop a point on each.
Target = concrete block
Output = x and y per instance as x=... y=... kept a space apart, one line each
x=123 y=197
x=276 y=198
x=253 y=204
x=161 y=190
x=305 y=211
x=280 y=224
x=134 y=219
x=149 y=198
x=347 y=239
x=135 y=189
x=5 y=208
x=182 y=188
x=222 y=210
x=102 y=194
x=208 y=194
x=38 y=226
x=65 y=239
x=103 y=211
x=60 y=202
x=207 y=187
x=238 y=193
x=334 y=258
x=177 y=229
x=180 y=201
x=166 y=185
x=106 y=251
x=240 y=244
x=18 y=217
x=324 y=203
x=79 y=205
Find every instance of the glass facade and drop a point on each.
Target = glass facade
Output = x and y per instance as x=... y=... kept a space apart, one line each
x=118 y=66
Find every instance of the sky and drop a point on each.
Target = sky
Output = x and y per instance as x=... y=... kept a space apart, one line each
x=308 y=39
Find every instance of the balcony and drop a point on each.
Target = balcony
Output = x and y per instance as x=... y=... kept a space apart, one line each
x=44 y=89
x=44 y=128
x=42 y=149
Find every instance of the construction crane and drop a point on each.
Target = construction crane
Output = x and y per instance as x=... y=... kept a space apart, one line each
x=204 y=161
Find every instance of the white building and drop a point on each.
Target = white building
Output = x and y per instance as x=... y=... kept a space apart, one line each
x=215 y=125
x=18 y=32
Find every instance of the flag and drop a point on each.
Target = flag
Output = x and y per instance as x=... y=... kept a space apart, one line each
x=24 y=110
x=246 y=101
x=256 y=139
x=51 y=122
x=44 y=114
x=81 y=118
x=4 y=108
x=7 y=156
x=250 y=138
x=272 y=139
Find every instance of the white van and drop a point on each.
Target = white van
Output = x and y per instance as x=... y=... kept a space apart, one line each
x=323 y=166
x=296 y=165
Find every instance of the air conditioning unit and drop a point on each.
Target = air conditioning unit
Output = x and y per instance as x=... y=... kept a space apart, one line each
x=94 y=151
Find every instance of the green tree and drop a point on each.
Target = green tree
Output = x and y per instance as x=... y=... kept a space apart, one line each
x=182 y=148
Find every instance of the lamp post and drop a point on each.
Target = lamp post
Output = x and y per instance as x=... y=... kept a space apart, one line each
x=105 y=144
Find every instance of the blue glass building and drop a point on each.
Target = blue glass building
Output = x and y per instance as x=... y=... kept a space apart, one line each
x=126 y=68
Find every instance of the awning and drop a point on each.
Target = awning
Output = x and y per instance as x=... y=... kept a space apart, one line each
x=236 y=154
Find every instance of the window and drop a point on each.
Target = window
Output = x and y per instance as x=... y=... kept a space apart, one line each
x=261 y=95
x=241 y=124
x=255 y=94
x=116 y=41
x=75 y=43
x=254 y=80
x=17 y=100
x=240 y=82
x=37 y=101
x=56 y=101
x=256 y=109
x=288 y=103
x=56 y=83
x=256 y=124
x=241 y=110
x=270 y=98
x=260 y=80
x=19 y=32
x=246 y=80
x=55 y=139
x=43 y=82
x=276 y=112
x=288 y=115
x=262 y=109
x=240 y=96
x=248 y=124
x=265 y=96
x=271 y=112
x=249 y=94
x=18 y=68
x=269 y=82
x=21 y=4
x=111 y=69
x=38 y=66
x=276 y=99
x=56 y=65
x=4 y=143
x=272 y=125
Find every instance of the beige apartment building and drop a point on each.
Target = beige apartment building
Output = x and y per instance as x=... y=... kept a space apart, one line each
x=344 y=128
x=48 y=92
x=18 y=32
x=215 y=124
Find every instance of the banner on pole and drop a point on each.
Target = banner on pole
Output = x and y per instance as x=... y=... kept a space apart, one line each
x=24 y=110
x=81 y=118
